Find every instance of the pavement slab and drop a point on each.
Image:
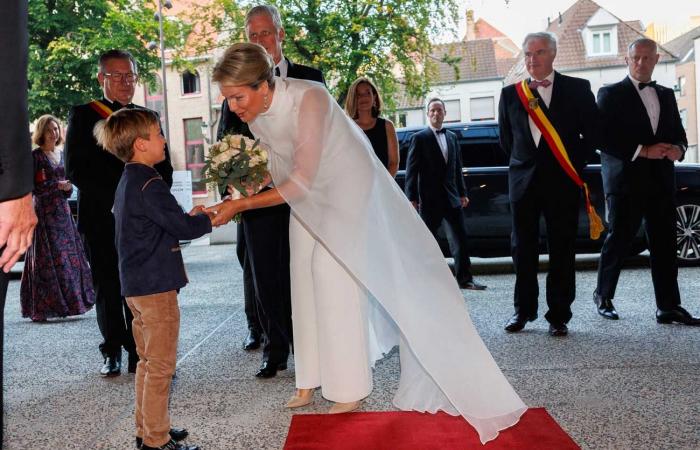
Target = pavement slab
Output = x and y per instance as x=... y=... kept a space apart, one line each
x=624 y=384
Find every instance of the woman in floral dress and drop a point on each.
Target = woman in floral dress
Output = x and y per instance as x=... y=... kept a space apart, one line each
x=56 y=281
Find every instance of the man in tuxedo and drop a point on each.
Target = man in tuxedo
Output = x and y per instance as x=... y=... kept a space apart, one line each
x=539 y=186
x=644 y=136
x=17 y=218
x=263 y=234
x=96 y=173
x=435 y=187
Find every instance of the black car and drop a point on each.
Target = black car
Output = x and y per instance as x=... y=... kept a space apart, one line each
x=488 y=216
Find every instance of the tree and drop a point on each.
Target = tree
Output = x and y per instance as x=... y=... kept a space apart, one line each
x=66 y=38
x=386 y=40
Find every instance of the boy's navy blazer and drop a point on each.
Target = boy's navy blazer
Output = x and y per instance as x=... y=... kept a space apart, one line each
x=149 y=225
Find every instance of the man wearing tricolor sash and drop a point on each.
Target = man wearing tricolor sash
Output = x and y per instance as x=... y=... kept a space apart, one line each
x=547 y=126
x=96 y=173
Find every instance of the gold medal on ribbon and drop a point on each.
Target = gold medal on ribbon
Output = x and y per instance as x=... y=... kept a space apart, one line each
x=533 y=103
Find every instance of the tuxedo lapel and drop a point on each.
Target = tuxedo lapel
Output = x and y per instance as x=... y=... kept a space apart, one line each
x=291 y=69
x=436 y=150
x=665 y=115
x=638 y=106
x=558 y=89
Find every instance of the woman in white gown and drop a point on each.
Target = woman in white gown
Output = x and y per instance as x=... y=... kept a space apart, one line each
x=366 y=273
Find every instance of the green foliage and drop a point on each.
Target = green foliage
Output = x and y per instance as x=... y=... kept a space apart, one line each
x=385 y=40
x=66 y=38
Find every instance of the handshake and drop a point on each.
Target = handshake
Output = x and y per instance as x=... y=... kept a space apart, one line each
x=661 y=150
x=219 y=214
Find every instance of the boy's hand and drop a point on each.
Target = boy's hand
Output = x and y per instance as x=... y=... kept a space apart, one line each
x=197 y=210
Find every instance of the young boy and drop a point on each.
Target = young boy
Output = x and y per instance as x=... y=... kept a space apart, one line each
x=149 y=224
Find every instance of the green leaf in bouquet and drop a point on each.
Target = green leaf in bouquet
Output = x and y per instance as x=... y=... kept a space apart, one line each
x=242 y=145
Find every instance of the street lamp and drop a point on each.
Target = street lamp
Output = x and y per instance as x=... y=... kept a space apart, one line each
x=159 y=16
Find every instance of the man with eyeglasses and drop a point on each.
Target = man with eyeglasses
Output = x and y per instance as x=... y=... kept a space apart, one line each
x=263 y=235
x=96 y=173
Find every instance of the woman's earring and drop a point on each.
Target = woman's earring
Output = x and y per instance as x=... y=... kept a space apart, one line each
x=265 y=104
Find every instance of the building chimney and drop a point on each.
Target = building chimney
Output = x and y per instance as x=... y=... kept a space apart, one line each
x=470 y=35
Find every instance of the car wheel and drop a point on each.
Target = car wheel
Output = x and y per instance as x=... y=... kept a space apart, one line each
x=688 y=233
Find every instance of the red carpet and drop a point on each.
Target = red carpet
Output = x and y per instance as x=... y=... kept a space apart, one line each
x=402 y=430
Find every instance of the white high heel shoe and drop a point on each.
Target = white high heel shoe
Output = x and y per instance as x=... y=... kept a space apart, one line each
x=301 y=397
x=339 y=408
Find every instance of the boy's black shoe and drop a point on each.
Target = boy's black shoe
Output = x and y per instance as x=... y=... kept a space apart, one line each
x=177 y=434
x=171 y=445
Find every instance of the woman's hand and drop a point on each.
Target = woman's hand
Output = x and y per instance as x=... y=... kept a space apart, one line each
x=65 y=185
x=224 y=211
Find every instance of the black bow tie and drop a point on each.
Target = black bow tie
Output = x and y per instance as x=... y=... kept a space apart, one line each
x=441 y=131
x=643 y=85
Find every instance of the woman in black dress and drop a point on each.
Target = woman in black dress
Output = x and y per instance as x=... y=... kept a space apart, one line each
x=364 y=105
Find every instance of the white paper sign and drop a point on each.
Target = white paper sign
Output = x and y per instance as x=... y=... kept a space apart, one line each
x=182 y=188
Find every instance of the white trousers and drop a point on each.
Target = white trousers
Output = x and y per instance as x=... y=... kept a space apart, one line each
x=330 y=324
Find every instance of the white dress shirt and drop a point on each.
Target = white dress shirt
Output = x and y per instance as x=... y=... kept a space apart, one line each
x=651 y=103
x=283 y=67
x=546 y=94
x=442 y=141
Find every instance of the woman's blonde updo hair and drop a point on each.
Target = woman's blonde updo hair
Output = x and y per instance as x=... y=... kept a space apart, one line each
x=244 y=64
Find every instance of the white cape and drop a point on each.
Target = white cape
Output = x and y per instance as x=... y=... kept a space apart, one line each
x=326 y=170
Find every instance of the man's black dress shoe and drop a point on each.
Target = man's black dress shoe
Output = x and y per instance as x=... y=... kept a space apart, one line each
x=112 y=366
x=605 y=307
x=176 y=434
x=678 y=315
x=517 y=322
x=133 y=361
x=252 y=341
x=472 y=285
x=558 y=329
x=269 y=370
x=171 y=445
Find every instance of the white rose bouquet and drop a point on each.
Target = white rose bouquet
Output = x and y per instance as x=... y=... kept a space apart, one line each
x=238 y=161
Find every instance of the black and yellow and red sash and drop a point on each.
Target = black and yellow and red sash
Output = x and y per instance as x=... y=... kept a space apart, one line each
x=103 y=110
x=549 y=133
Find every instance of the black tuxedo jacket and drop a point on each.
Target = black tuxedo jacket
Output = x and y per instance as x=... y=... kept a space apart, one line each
x=573 y=113
x=430 y=181
x=626 y=125
x=230 y=123
x=94 y=170
x=16 y=166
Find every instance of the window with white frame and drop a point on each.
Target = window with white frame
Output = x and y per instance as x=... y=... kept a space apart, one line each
x=190 y=83
x=401 y=121
x=194 y=154
x=602 y=42
x=684 y=118
x=481 y=108
x=453 y=111
x=681 y=86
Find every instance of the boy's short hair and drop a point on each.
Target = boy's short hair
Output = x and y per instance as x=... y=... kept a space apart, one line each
x=118 y=132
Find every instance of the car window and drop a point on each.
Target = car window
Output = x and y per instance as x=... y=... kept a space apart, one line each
x=404 y=143
x=482 y=153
